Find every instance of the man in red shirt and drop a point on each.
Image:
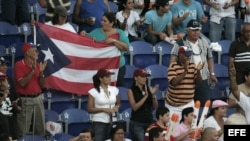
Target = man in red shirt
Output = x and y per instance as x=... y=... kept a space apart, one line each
x=29 y=80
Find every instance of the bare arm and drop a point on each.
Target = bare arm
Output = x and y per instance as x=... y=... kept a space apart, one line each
x=178 y=78
x=92 y=109
x=119 y=44
x=170 y=30
x=26 y=79
x=41 y=75
x=232 y=103
x=76 y=13
x=233 y=83
x=231 y=61
x=107 y=4
x=135 y=106
x=151 y=31
x=179 y=20
x=210 y=62
x=153 y=91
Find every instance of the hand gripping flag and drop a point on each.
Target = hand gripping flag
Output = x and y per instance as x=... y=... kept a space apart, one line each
x=73 y=59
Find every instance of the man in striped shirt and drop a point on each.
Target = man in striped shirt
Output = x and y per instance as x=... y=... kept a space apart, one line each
x=182 y=77
x=239 y=53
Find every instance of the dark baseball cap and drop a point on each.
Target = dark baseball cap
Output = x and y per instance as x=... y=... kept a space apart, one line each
x=194 y=24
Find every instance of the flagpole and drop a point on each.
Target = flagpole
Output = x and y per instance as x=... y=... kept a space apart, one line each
x=34 y=33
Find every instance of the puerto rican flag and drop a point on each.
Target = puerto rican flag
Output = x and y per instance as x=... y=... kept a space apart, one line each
x=73 y=59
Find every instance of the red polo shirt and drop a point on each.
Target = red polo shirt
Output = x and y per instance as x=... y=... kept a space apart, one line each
x=21 y=69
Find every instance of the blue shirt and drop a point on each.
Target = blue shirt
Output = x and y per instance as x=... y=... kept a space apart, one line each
x=158 y=23
x=92 y=9
x=178 y=9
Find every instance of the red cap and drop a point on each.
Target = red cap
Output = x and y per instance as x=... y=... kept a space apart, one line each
x=27 y=46
x=187 y=51
x=141 y=72
x=104 y=72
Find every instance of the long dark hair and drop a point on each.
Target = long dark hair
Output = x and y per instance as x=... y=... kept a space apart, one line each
x=185 y=112
x=96 y=82
x=120 y=6
x=212 y=111
x=114 y=128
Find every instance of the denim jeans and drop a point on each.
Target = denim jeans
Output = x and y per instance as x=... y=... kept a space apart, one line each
x=137 y=130
x=152 y=39
x=229 y=26
x=102 y=131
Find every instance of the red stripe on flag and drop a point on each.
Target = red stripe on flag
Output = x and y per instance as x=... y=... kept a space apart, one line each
x=56 y=83
x=84 y=63
x=60 y=80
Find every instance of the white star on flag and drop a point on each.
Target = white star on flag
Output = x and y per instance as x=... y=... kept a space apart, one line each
x=48 y=55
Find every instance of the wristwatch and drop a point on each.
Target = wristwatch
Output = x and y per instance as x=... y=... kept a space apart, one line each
x=212 y=73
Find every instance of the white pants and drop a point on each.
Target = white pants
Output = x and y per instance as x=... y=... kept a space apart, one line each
x=178 y=110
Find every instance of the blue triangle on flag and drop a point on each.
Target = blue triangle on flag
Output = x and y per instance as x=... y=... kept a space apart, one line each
x=50 y=52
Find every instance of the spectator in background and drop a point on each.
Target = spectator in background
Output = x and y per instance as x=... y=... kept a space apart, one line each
x=129 y=20
x=60 y=19
x=103 y=104
x=239 y=53
x=216 y=117
x=4 y=124
x=201 y=53
x=10 y=106
x=184 y=11
x=85 y=135
x=142 y=100
x=117 y=132
x=209 y=134
x=3 y=64
x=156 y=134
x=182 y=77
x=158 y=22
x=245 y=10
x=184 y=129
x=88 y=13
x=15 y=11
x=29 y=81
x=243 y=100
x=162 y=116
x=222 y=18
x=51 y=5
x=232 y=101
x=146 y=5
x=114 y=36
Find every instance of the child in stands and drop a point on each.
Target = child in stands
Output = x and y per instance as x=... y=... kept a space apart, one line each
x=162 y=115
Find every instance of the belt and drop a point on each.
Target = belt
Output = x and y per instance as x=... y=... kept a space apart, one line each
x=30 y=95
